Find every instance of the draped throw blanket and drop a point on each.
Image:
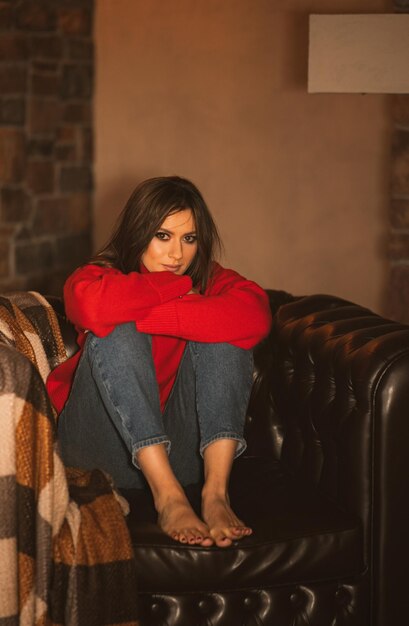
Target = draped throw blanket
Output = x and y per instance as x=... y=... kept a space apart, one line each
x=65 y=552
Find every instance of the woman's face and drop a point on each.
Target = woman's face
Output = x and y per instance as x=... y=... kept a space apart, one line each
x=174 y=245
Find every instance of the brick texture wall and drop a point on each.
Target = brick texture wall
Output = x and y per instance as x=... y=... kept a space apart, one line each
x=397 y=304
x=46 y=85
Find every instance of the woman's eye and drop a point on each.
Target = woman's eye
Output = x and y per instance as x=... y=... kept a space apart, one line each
x=162 y=236
x=191 y=238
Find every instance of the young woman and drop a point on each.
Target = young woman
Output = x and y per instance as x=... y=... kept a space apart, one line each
x=163 y=377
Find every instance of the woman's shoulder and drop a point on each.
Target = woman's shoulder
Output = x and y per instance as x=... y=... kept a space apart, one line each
x=222 y=278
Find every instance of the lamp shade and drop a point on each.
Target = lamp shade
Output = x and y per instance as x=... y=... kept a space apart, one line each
x=359 y=53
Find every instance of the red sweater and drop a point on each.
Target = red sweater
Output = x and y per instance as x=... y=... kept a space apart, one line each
x=232 y=310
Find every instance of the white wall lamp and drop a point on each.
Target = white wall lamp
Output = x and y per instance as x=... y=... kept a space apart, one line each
x=359 y=54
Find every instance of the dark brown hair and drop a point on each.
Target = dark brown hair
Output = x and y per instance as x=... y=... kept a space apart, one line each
x=144 y=213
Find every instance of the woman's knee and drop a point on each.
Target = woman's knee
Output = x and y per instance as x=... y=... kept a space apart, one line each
x=123 y=342
x=122 y=334
x=223 y=353
x=224 y=367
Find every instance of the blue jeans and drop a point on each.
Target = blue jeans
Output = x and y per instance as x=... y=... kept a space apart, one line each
x=114 y=409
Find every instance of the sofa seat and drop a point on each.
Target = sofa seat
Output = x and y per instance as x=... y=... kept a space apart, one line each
x=298 y=537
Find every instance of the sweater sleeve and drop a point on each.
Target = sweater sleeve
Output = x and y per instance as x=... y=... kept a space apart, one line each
x=98 y=298
x=233 y=310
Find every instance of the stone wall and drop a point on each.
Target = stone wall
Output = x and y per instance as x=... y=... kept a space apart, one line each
x=397 y=304
x=46 y=85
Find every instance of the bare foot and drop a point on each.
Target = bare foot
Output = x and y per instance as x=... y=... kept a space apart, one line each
x=225 y=527
x=178 y=520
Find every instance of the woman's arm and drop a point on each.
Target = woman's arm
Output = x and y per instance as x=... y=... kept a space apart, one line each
x=233 y=310
x=98 y=298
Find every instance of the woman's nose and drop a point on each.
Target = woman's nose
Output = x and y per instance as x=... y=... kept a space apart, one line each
x=175 y=251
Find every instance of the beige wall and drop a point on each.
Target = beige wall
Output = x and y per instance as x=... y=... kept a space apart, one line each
x=215 y=90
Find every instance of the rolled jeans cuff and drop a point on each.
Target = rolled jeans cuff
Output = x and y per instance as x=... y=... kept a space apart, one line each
x=225 y=435
x=152 y=441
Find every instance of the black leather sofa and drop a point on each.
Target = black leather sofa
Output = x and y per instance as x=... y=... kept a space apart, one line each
x=324 y=483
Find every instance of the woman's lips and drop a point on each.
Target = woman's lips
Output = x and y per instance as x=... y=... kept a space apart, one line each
x=172 y=268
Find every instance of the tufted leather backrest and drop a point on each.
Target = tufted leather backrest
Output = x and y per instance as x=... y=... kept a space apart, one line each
x=264 y=426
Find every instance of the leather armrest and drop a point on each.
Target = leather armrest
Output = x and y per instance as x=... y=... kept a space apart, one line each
x=340 y=385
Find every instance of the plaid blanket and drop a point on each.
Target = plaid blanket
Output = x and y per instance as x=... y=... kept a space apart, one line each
x=65 y=552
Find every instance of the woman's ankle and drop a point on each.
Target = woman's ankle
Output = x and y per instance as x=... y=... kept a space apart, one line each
x=169 y=494
x=154 y=463
x=215 y=491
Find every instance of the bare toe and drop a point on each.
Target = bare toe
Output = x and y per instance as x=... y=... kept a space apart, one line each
x=221 y=539
x=178 y=520
x=207 y=541
x=241 y=531
x=223 y=524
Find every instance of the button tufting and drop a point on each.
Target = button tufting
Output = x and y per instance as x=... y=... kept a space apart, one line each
x=297 y=599
x=204 y=606
x=160 y=609
x=249 y=602
x=342 y=596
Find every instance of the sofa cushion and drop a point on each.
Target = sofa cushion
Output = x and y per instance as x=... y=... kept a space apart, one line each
x=298 y=537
